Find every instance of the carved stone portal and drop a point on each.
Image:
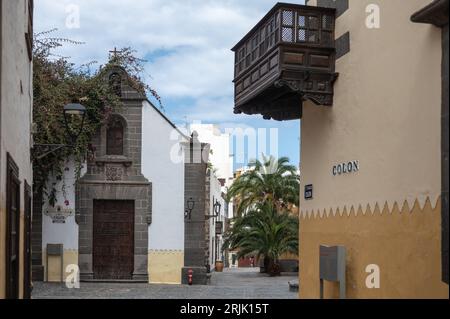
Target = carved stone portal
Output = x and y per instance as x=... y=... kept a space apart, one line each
x=114 y=173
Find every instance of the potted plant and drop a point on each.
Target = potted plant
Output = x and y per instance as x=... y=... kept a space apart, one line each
x=219 y=266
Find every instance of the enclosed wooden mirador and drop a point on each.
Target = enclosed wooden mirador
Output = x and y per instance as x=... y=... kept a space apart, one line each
x=288 y=57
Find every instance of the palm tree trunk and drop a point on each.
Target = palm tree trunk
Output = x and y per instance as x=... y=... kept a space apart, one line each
x=266 y=265
x=274 y=268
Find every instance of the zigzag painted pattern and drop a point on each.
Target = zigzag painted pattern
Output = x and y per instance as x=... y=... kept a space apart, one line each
x=372 y=208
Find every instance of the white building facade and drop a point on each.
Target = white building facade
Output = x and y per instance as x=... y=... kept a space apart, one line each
x=163 y=165
x=221 y=157
x=215 y=221
x=159 y=219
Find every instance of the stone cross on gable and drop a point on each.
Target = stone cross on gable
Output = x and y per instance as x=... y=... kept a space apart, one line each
x=114 y=52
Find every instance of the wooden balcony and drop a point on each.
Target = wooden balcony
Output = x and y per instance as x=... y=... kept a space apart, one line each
x=288 y=57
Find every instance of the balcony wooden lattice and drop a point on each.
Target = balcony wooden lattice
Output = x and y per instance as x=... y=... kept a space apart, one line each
x=288 y=57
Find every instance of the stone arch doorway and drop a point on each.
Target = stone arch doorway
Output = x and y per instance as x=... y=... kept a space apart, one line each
x=134 y=201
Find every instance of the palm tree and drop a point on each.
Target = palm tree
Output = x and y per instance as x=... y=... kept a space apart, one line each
x=272 y=179
x=264 y=232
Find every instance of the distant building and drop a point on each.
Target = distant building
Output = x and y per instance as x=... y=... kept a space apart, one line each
x=16 y=177
x=221 y=157
x=215 y=220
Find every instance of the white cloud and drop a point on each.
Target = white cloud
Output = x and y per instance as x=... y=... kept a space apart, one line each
x=193 y=72
x=216 y=109
x=196 y=36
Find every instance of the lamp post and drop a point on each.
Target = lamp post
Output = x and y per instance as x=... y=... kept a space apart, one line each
x=72 y=112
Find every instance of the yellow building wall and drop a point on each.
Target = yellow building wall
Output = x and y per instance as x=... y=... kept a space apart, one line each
x=2 y=251
x=164 y=266
x=404 y=242
x=3 y=254
x=386 y=114
x=54 y=265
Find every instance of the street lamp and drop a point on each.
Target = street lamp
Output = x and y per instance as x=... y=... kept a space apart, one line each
x=73 y=112
x=190 y=208
x=216 y=209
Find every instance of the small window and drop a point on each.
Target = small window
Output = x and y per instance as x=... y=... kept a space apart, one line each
x=115 y=138
x=115 y=81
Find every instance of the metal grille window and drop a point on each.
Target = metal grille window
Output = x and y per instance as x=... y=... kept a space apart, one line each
x=312 y=29
x=287 y=34
x=240 y=56
x=263 y=40
x=248 y=56
x=308 y=29
x=255 y=43
x=327 y=30
x=268 y=36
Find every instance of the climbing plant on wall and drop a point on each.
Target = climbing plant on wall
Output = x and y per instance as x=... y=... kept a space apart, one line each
x=57 y=82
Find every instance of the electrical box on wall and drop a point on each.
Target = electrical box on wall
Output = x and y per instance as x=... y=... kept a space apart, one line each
x=332 y=267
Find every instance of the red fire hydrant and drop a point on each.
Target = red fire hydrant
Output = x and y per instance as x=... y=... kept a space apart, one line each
x=190 y=275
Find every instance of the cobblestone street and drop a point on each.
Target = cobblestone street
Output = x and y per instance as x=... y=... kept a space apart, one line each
x=231 y=284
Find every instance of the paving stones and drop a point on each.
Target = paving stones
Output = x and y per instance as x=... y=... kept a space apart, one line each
x=231 y=284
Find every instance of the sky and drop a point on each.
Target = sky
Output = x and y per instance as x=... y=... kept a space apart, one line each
x=187 y=45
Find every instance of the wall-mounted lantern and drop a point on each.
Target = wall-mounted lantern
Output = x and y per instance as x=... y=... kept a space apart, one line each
x=190 y=208
x=217 y=207
x=73 y=113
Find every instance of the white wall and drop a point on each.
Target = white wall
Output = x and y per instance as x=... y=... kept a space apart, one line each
x=221 y=157
x=160 y=142
x=16 y=94
x=215 y=194
x=220 y=146
x=67 y=233
x=166 y=175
